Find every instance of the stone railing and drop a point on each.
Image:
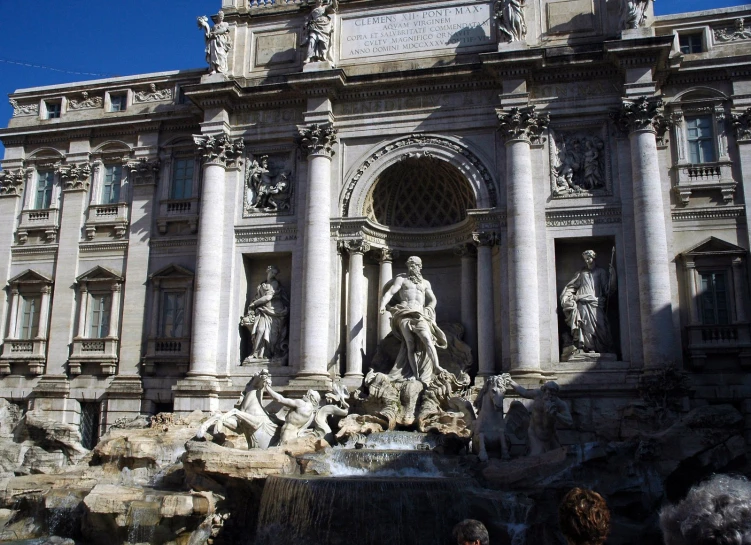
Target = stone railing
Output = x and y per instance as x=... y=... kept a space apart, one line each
x=167 y=351
x=45 y=220
x=25 y=352
x=114 y=216
x=178 y=211
x=97 y=351
x=713 y=339
x=706 y=176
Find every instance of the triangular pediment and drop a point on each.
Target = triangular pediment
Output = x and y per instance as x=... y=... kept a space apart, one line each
x=30 y=276
x=172 y=271
x=715 y=246
x=99 y=273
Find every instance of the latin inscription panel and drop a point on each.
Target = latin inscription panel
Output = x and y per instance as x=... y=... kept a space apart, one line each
x=448 y=29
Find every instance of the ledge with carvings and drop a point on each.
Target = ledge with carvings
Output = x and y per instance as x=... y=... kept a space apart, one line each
x=716 y=176
x=29 y=352
x=732 y=339
x=114 y=216
x=177 y=211
x=101 y=351
x=171 y=351
x=45 y=221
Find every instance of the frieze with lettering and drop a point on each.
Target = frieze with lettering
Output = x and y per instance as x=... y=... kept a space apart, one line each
x=418 y=102
x=267 y=117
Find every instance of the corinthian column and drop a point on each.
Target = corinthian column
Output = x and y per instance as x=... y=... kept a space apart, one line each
x=485 y=301
x=385 y=274
x=316 y=142
x=468 y=254
x=355 y=316
x=642 y=119
x=520 y=127
x=218 y=153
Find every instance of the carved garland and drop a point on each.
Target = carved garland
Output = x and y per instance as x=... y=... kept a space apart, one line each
x=420 y=140
x=24 y=109
x=220 y=149
x=641 y=114
x=75 y=176
x=11 y=181
x=317 y=139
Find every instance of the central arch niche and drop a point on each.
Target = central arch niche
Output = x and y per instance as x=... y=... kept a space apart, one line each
x=419 y=193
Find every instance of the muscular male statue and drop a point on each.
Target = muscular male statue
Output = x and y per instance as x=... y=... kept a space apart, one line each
x=413 y=323
x=301 y=413
x=546 y=411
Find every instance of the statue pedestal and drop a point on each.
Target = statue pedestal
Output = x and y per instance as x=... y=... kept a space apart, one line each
x=214 y=78
x=512 y=46
x=635 y=33
x=317 y=66
x=586 y=357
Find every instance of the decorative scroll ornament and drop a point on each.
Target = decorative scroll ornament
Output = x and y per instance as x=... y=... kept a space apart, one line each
x=144 y=172
x=641 y=114
x=317 y=139
x=734 y=34
x=25 y=109
x=220 y=149
x=153 y=95
x=356 y=246
x=484 y=239
x=11 y=181
x=86 y=102
x=75 y=176
x=742 y=125
x=522 y=123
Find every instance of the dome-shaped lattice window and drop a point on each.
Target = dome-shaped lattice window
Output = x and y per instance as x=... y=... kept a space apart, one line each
x=419 y=193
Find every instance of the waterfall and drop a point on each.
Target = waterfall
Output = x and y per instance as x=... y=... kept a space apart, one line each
x=143 y=518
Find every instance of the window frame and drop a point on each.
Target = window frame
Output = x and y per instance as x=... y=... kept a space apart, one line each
x=115 y=196
x=56 y=112
x=35 y=195
x=700 y=138
x=115 y=97
x=186 y=181
x=708 y=273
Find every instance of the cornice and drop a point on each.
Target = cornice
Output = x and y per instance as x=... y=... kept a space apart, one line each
x=709 y=213
x=584 y=215
x=91 y=247
x=37 y=250
x=277 y=232
x=172 y=242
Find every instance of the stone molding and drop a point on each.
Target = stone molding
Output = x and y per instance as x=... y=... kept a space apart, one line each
x=522 y=124
x=742 y=126
x=24 y=109
x=219 y=150
x=567 y=217
x=709 y=213
x=266 y=233
x=144 y=172
x=90 y=247
x=485 y=238
x=43 y=252
x=317 y=139
x=641 y=114
x=355 y=246
x=86 y=102
x=172 y=242
x=75 y=177
x=11 y=182
x=153 y=94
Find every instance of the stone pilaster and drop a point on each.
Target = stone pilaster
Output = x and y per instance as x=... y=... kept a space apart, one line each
x=316 y=141
x=385 y=275
x=468 y=255
x=741 y=123
x=355 y=314
x=11 y=189
x=485 y=301
x=520 y=127
x=642 y=119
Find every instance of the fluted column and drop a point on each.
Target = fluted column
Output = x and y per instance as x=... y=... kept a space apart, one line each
x=485 y=301
x=316 y=142
x=218 y=152
x=468 y=254
x=520 y=127
x=355 y=315
x=44 y=313
x=642 y=119
x=385 y=274
x=15 y=300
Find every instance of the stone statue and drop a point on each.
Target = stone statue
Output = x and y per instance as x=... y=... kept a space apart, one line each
x=578 y=162
x=218 y=43
x=266 y=192
x=319 y=29
x=413 y=324
x=510 y=17
x=584 y=302
x=267 y=320
x=546 y=412
x=633 y=13
x=488 y=429
x=300 y=414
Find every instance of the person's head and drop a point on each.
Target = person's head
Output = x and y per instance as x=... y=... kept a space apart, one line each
x=550 y=389
x=584 y=517
x=717 y=511
x=313 y=397
x=471 y=532
x=589 y=258
x=414 y=265
x=220 y=16
x=271 y=271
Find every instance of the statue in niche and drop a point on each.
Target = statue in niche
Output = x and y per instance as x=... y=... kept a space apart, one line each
x=547 y=411
x=578 y=163
x=218 y=43
x=584 y=301
x=266 y=192
x=266 y=320
x=633 y=13
x=319 y=29
x=413 y=324
x=509 y=15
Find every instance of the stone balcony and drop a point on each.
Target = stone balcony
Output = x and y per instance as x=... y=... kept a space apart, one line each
x=178 y=211
x=45 y=221
x=167 y=350
x=101 y=351
x=30 y=352
x=706 y=176
x=719 y=339
x=114 y=216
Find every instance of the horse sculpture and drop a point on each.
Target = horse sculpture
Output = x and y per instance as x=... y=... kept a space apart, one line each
x=250 y=418
x=488 y=429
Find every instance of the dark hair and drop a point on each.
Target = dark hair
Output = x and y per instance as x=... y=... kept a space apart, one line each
x=584 y=517
x=471 y=530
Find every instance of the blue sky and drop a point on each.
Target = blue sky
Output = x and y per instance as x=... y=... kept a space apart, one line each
x=75 y=40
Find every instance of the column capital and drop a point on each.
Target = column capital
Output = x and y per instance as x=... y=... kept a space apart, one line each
x=317 y=139
x=11 y=182
x=641 y=114
x=466 y=250
x=144 y=172
x=75 y=177
x=485 y=239
x=356 y=246
x=742 y=126
x=386 y=255
x=219 y=149
x=46 y=289
x=737 y=261
x=522 y=123
x=116 y=287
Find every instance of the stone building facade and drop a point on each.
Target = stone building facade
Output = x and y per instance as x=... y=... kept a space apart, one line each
x=497 y=141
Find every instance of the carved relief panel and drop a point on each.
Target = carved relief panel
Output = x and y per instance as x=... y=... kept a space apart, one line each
x=269 y=184
x=580 y=161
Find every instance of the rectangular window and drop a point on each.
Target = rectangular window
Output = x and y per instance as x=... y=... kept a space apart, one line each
x=90 y=415
x=118 y=102
x=714 y=302
x=29 y=317
x=173 y=314
x=113 y=175
x=700 y=136
x=99 y=316
x=43 y=198
x=53 y=109
x=182 y=179
x=690 y=43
